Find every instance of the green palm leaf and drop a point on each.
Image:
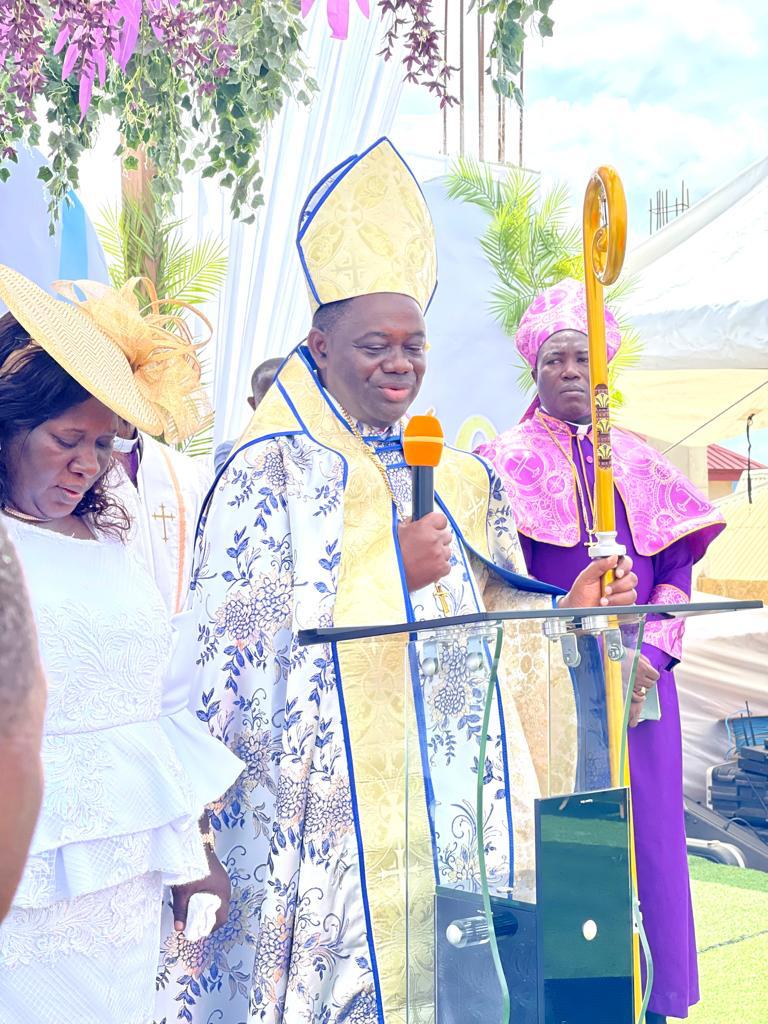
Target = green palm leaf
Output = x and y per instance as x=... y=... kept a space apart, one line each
x=195 y=273
x=531 y=245
x=474 y=182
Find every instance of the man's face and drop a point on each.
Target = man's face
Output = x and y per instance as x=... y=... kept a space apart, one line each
x=562 y=376
x=373 y=358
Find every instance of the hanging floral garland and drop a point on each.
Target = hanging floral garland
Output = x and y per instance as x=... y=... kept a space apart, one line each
x=194 y=83
x=412 y=23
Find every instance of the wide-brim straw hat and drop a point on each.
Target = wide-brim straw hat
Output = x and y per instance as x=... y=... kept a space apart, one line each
x=119 y=354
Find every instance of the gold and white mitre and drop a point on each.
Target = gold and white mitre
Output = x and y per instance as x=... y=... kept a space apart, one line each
x=365 y=228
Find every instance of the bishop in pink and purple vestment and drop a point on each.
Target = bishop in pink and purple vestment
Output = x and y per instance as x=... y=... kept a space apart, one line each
x=547 y=464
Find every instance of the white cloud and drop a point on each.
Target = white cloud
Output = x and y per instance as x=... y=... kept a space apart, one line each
x=652 y=145
x=597 y=34
x=664 y=91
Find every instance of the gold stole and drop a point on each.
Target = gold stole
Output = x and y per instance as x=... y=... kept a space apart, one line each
x=374 y=681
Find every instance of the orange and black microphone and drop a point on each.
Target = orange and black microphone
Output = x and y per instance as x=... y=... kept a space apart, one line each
x=423 y=443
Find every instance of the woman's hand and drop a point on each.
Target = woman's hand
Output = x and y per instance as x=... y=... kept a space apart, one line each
x=216 y=882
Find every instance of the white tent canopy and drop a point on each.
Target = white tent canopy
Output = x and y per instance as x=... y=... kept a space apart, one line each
x=702 y=291
x=723 y=668
x=695 y=406
x=701 y=307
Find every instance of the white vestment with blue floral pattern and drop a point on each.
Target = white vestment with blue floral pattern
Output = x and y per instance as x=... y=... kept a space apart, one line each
x=315 y=931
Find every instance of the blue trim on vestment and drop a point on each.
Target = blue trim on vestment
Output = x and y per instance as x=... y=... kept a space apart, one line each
x=346 y=165
x=417 y=695
x=409 y=612
x=524 y=583
x=307 y=276
x=302 y=226
x=418 y=186
x=304 y=354
x=507 y=782
x=500 y=711
x=256 y=440
x=470 y=575
x=358 y=833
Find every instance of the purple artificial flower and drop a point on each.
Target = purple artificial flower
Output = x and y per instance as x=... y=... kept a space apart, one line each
x=130 y=12
x=214 y=28
x=22 y=28
x=92 y=30
x=337 y=13
x=178 y=30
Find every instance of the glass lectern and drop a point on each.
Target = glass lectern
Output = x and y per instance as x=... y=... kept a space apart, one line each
x=512 y=860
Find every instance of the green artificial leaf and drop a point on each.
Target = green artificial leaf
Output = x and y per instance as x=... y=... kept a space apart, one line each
x=546 y=26
x=531 y=243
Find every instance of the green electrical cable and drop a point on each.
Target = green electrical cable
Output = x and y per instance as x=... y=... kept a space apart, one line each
x=480 y=839
x=637 y=916
x=638 y=919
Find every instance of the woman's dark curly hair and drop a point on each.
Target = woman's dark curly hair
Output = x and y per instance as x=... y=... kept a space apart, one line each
x=37 y=390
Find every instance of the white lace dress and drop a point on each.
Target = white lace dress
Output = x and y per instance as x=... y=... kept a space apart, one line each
x=128 y=770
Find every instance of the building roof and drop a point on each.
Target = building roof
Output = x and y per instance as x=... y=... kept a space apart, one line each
x=719 y=458
x=740 y=552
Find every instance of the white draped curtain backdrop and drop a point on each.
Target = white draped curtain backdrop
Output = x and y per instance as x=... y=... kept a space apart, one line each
x=263 y=310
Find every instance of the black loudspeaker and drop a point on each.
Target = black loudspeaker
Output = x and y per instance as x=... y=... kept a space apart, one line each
x=709 y=826
x=584 y=902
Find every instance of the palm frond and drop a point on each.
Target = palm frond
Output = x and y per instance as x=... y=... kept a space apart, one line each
x=200 y=445
x=525 y=381
x=473 y=182
x=195 y=273
x=110 y=236
x=554 y=207
x=620 y=291
x=531 y=245
x=518 y=189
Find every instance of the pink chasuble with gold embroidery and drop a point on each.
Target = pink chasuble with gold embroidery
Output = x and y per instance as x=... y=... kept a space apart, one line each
x=666 y=525
x=658 y=508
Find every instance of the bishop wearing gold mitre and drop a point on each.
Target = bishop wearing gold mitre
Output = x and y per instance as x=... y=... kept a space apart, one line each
x=309 y=525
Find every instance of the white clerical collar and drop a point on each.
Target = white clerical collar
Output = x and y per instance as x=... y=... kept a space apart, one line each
x=580 y=429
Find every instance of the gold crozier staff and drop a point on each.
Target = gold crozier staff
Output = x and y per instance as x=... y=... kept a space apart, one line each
x=605 y=240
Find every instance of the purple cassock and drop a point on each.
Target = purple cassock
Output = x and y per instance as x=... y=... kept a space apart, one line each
x=666 y=525
x=673 y=524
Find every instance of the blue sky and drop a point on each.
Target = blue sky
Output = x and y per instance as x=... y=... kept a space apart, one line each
x=662 y=89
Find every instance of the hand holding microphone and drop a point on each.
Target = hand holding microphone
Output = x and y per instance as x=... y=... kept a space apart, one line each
x=425 y=547
x=425 y=539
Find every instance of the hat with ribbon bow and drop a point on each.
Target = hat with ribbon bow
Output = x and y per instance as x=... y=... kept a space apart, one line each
x=140 y=361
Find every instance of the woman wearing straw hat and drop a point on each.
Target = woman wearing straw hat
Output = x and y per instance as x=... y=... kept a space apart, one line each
x=128 y=770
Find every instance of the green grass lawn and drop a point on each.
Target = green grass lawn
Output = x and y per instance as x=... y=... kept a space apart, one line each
x=731 y=910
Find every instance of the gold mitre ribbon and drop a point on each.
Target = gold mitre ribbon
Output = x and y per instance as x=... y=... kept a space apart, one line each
x=366 y=228
x=158 y=346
